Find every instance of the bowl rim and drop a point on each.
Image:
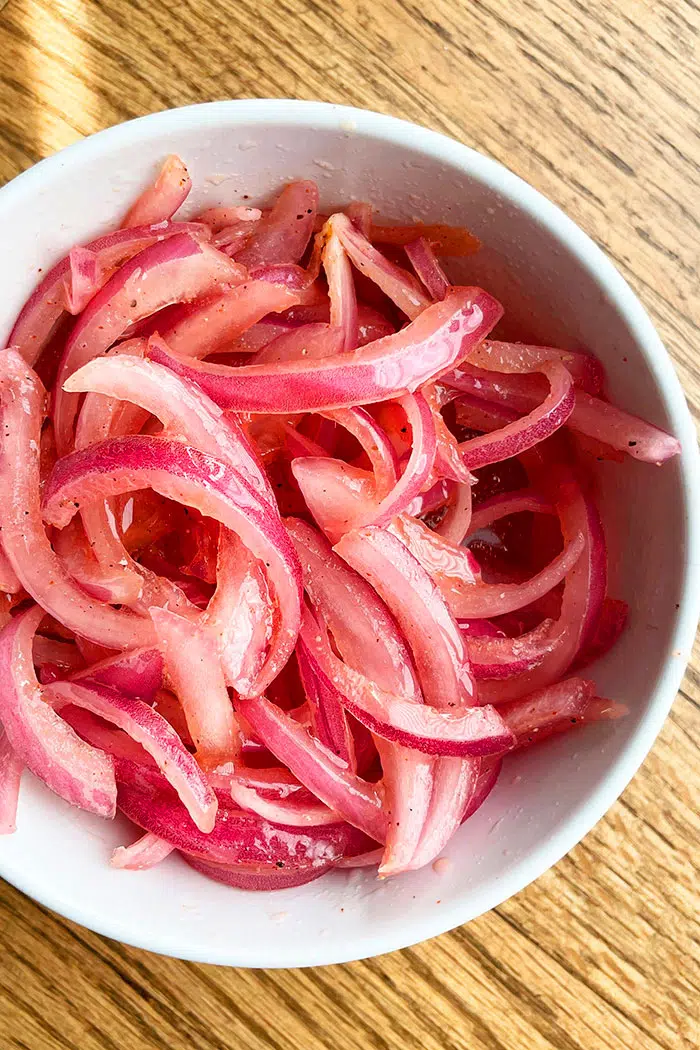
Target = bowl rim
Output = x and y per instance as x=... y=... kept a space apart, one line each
x=328 y=116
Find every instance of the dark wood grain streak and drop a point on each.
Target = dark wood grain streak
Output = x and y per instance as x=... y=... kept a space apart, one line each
x=597 y=104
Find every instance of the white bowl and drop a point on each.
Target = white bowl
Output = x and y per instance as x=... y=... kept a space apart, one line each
x=556 y=281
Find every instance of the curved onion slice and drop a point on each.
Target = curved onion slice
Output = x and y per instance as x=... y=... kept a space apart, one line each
x=420 y=462
x=555 y=703
x=137 y=674
x=492 y=355
x=170 y=271
x=515 y=438
x=375 y=443
x=44 y=308
x=398 y=284
x=250 y=877
x=145 y=853
x=160 y=201
x=218 y=219
x=388 y=367
x=26 y=544
x=213 y=325
x=45 y=743
x=460 y=732
x=9 y=583
x=11 y=766
x=196 y=676
x=188 y=476
x=447 y=562
x=508 y=503
x=341 y=290
x=283 y=234
x=494 y=657
x=240 y=616
x=327 y=715
x=488 y=775
x=339 y=496
x=428 y=269
x=326 y=776
x=446 y=240
x=153 y=733
x=292 y=813
x=310 y=341
x=441 y=661
x=146 y=798
x=183 y=409
x=455 y=524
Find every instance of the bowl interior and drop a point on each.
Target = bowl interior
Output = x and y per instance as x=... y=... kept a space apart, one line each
x=557 y=288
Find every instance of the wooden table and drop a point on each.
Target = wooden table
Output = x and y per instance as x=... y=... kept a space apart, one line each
x=595 y=103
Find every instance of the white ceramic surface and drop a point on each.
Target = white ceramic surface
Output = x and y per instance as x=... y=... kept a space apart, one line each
x=552 y=277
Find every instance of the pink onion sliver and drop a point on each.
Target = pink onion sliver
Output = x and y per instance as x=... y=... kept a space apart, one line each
x=385 y=368
x=26 y=544
x=360 y=215
x=375 y=443
x=420 y=462
x=622 y=431
x=339 y=496
x=515 y=438
x=137 y=673
x=161 y=200
x=284 y=232
x=459 y=732
x=362 y=860
x=289 y=812
x=456 y=523
x=44 y=308
x=432 y=499
x=341 y=290
x=555 y=703
x=240 y=616
x=445 y=560
x=212 y=325
x=183 y=473
x=329 y=779
x=506 y=503
x=83 y=280
x=306 y=341
x=428 y=269
x=454 y=786
x=243 y=877
x=9 y=583
x=74 y=551
x=439 y=650
x=449 y=462
x=141 y=855
x=219 y=218
x=45 y=743
x=183 y=409
x=149 y=729
x=11 y=766
x=495 y=599
x=327 y=714
x=193 y=667
x=486 y=416
x=171 y=271
x=398 y=284
x=486 y=781
x=502 y=657
x=586 y=370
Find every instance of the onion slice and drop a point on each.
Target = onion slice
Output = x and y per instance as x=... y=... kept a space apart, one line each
x=159 y=202
x=40 y=738
x=386 y=368
x=145 y=853
x=11 y=766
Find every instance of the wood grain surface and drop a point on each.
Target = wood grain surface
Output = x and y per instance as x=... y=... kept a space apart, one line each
x=596 y=104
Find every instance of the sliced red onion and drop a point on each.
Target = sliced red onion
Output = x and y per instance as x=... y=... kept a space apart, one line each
x=486 y=416
x=360 y=215
x=188 y=476
x=506 y=503
x=460 y=732
x=586 y=370
x=619 y=429
x=141 y=855
x=284 y=233
x=9 y=583
x=240 y=616
x=375 y=443
x=194 y=670
x=183 y=409
x=420 y=462
x=447 y=562
x=237 y=837
x=449 y=462
x=488 y=775
x=160 y=201
x=515 y=438
x=247 y=877
x=456 y=783
x=175 y=270
x=291 y=813
x=433 y=499
x=386 y=368
x=137 y=674
x=83 y=280
x=398 y=284
x=341 y=290
x=327 y=715
x=11 y=766
x=611 y=623
x=40 y=738
x=232 y=239
x=565 y=700
x=213 y=325
x=24 y=538
x=64 y=656
x=149 y=729
x=310 y=341
x=455 y=525
x=339 y=496
x=45 y=307
x=494 y=657
x=219 y=218
x=326 y=776
x=428 y=269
